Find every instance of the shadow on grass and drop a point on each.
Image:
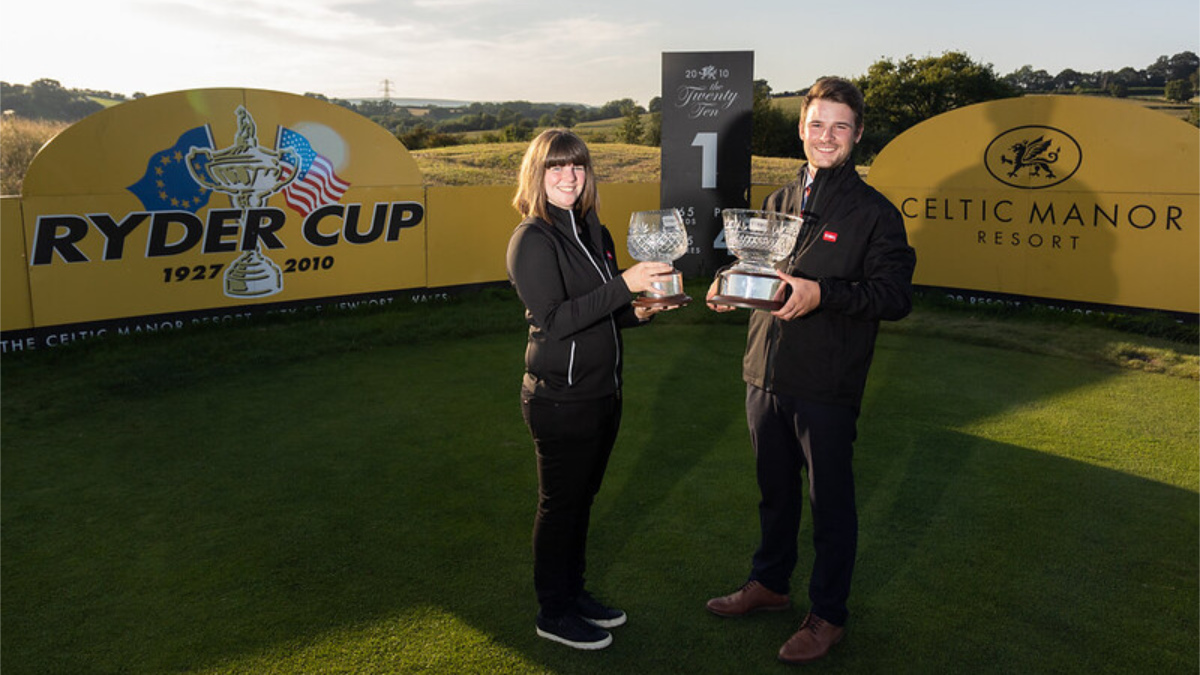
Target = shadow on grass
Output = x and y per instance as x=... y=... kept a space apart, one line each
x=673 y=420
x=241 y=524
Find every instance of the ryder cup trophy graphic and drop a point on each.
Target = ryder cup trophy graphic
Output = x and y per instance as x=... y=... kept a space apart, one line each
x=759 y=239
x=659 y=236
x=249 y=173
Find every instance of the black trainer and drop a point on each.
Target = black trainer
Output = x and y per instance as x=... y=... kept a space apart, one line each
x=571 y=630
x=598 y=614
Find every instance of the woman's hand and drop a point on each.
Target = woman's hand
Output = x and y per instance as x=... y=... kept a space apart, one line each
x=641 y=276
x=644 y=313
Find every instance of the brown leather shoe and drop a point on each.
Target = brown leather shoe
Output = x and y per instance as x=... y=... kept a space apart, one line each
x=752 y=597
x=812 y=641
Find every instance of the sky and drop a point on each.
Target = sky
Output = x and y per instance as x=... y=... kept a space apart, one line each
x=590 y=53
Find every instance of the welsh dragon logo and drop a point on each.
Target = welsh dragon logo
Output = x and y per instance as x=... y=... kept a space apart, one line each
x=1032 y=154
x=1033 y=157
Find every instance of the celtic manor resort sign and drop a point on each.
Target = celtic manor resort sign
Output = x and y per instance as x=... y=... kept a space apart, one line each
x=1083 y=199
x=215 y=200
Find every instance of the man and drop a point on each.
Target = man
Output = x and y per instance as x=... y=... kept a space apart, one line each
x=806 y=367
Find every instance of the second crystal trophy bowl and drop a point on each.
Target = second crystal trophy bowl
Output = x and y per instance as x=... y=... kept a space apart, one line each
x=659 y=236
x=759 y=239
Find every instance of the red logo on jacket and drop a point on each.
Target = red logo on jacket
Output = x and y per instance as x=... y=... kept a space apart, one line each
x=829 y=237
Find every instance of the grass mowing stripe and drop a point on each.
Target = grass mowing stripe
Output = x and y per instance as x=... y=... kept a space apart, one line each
x=356 y=494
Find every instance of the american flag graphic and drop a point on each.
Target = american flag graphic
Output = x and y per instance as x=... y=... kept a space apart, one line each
x=317 y=184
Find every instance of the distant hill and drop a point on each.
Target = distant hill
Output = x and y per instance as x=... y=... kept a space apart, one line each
x=449 y=103
x=415 y=102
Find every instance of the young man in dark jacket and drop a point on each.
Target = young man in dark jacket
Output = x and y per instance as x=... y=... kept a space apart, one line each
x=806 y=368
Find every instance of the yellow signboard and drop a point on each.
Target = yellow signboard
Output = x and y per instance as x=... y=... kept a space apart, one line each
x=1075 y=198
x=218 y=198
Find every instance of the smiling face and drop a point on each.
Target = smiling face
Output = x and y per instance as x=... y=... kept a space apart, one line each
x=564 y=184
x=829 y=132
x=557 y=170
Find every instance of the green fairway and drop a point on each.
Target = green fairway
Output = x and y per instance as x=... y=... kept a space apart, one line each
x=355 y=494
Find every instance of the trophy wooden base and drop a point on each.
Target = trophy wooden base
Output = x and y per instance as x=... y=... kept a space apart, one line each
x=745 y=303
x=653 y=301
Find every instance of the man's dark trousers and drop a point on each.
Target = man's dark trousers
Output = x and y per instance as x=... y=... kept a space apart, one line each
x=792 y=437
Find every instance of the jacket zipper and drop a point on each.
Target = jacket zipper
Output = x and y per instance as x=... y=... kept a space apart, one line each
x=775 y=327
x=571 y=367
x=612 y=323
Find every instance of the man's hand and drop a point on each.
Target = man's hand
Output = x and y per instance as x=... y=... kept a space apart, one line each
x=805 y=297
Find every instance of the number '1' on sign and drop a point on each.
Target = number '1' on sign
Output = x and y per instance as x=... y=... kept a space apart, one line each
x=707 y=142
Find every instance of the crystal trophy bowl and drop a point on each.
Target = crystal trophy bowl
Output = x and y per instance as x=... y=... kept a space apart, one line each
x=659 y=236
x=759 y=239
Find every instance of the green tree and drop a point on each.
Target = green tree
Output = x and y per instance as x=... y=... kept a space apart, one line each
x=1067 y=80
x=773 y=133
x=902 y=94
x=519 y=131
x=566 y=117
x=1130 y=77
x=615 y=108
x=507 y=116
x=47 y=99
x=654 y=129
x=1027 y=79
x=631 y=125
x=1179 y=91
x=1157 y=72
x=416 y=138
x=1182 y=66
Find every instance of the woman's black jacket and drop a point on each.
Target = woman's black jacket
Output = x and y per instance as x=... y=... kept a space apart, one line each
x=576 y=302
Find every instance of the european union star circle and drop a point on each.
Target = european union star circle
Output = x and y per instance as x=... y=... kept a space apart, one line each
x=167 y=185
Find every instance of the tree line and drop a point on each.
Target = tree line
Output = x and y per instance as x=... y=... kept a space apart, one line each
x=430 y=126
x=1180 y=68
x=47 y=99
x=899 y=94
x=902 y=93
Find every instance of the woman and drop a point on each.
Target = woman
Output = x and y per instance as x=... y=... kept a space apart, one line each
x=562 y=263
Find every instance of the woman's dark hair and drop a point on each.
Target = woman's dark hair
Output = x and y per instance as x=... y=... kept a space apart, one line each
x=553 y=147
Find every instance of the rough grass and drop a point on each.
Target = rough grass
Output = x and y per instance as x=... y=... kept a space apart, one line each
x=21 y=139
x=498 y=163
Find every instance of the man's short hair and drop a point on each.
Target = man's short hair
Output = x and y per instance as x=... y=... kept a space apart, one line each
x=838 y=90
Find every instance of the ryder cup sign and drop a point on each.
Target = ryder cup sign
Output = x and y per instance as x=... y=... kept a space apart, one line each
x=214 y=200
